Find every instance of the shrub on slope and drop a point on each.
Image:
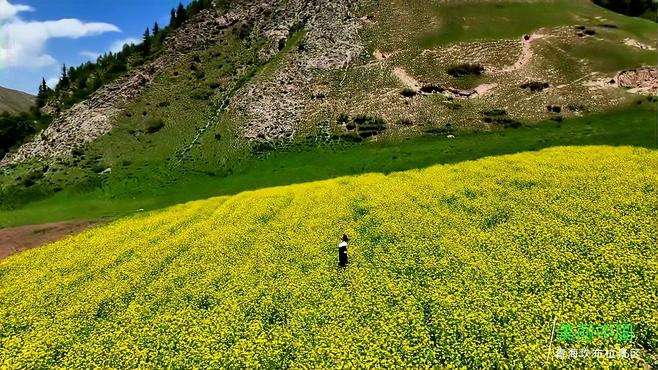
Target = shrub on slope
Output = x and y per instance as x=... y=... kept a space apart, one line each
x=465 y=264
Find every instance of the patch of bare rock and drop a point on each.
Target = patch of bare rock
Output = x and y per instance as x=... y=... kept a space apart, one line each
x=276 y=106
x=643 y=80
x=636 y=44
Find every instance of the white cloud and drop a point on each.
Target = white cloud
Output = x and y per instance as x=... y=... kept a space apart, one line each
x=24 y=42
x=9 y=11
x=90 y=54
x=118 y=44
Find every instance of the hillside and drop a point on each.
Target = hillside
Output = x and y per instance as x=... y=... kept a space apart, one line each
x=468 y=264
x=124 y=195
x=12 y=101
x=246 y=78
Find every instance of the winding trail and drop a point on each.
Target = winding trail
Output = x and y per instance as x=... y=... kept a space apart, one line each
x=526 y=54
x=524 y=59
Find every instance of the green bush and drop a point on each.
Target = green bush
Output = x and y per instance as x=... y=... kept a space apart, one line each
x=465 y=69
x=535 y=86
x=15 y=129
x=368 y=126
x=153 y=125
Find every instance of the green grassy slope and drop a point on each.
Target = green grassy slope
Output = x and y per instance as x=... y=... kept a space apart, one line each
x=466 y=264
x=125 y=194
x=13 y=101
x=413 y=24
x=426 y=40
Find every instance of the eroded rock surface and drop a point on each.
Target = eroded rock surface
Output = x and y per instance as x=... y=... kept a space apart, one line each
x=276 y=105
x=640 y=80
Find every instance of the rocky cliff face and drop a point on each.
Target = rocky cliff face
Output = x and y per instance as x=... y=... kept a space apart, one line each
x=275 y=105
x=641 y=80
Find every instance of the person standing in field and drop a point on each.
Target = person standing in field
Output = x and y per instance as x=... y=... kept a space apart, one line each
x=342 y=251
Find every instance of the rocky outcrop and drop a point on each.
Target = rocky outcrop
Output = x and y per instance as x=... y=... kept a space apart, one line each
x=276 y=105
x=641 y=80
x=89 y=119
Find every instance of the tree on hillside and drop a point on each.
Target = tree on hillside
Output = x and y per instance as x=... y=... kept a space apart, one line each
x=197 y=6
x=81 y=83
x=181 y=14
x=156 y=38
x=146 y=42
x=95 y=81
x=172 y=18
x=63 y=79
x=635 y=8
x=77 y=83
x=44 y=92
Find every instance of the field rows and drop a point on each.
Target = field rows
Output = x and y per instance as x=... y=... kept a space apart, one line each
x=466 y=264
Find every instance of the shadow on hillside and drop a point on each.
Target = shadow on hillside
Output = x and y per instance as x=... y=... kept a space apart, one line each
x=633 y=126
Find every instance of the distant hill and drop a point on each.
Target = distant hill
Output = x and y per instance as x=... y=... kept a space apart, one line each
x=14 y=101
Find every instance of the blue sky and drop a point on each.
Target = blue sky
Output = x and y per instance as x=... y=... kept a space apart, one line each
x=37 y=36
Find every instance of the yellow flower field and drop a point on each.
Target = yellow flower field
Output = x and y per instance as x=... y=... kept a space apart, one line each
x=468 y=265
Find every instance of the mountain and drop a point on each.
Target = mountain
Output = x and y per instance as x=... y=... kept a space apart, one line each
x=237 y=80
x=13 y=101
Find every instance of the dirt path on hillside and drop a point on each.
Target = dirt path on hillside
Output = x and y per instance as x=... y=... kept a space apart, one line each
x=16 y=239
x=526 y=53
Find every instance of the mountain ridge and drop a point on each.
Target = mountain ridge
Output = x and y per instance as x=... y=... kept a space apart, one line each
x=14 y=101
x=276 y=107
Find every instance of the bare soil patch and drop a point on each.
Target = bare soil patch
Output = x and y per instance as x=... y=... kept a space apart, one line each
x=408 y=81
x=379 y=55
x=526 y=52
x=16 y=239
x=636 y=44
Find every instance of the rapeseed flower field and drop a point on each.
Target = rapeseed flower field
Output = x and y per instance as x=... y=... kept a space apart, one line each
x=464 y=265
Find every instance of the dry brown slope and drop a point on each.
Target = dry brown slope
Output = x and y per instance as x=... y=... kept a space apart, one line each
x=14 y=101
